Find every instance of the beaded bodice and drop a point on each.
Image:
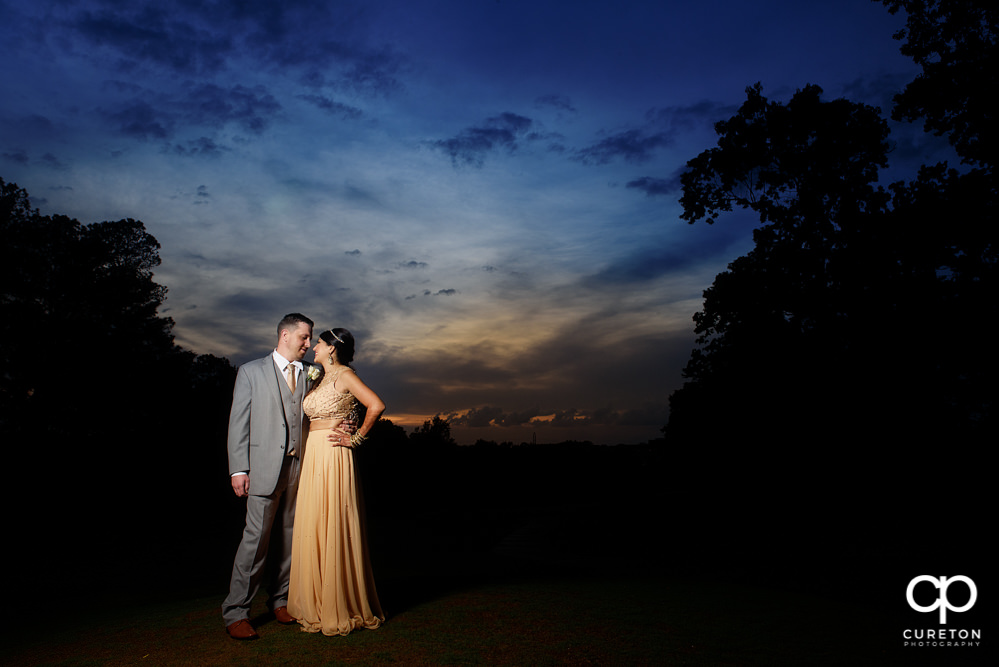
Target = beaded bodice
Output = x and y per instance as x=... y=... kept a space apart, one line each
x=325 y=402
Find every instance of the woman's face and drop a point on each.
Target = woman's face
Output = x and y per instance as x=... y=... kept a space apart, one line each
x=322 y=351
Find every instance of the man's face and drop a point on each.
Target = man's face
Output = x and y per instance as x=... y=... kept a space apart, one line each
x=296 y=343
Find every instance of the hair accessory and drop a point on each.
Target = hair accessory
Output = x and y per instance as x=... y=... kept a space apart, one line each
x=335 y=336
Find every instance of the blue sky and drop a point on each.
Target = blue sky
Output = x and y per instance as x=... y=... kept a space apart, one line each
x=482 y=191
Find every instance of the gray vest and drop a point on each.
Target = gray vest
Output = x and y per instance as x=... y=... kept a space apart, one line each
x=292 y=411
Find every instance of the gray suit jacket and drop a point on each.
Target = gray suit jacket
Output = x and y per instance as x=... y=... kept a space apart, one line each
x=258 y=429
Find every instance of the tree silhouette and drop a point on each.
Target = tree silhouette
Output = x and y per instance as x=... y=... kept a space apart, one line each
x=89 y=290
x=91 y=382
x=88 y=364
x=955 y=43
x=434 y=433
x=862 y=313
x=778 y=326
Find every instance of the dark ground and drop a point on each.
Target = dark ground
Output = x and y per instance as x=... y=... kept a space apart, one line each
x=616 y=551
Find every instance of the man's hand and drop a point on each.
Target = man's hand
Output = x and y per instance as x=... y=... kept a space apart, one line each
x=241 y=485
x=349 y=425
x=339 y=438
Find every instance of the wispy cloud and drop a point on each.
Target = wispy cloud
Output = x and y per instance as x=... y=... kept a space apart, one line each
x=140 y=120
x=471 y=146
x=18 y=156
x=323 y=41
x=200 y=147
x=635 y=146
x=660 y=129
x=652 y=186
x=555 y=101
x=332 y=107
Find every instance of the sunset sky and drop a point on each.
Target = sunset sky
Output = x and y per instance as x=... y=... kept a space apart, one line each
x=482 y=191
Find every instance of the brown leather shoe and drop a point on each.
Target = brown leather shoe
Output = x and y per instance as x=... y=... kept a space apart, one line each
x=241 y=629
x=282 y=616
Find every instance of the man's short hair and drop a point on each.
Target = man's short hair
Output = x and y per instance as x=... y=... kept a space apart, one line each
x=291 y=322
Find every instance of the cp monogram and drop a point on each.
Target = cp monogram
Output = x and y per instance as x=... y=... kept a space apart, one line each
x=942 y=583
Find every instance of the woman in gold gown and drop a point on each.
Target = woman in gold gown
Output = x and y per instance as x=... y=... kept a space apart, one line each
x=332 y=587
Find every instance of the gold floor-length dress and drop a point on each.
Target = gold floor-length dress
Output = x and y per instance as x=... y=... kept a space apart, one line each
x=332 y=587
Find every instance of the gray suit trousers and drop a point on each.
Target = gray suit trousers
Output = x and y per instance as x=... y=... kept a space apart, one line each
x=269 y=524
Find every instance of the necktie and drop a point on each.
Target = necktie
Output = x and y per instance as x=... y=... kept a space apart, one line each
x=290 y=379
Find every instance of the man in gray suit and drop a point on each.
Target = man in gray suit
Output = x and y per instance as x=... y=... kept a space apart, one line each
x=265 y=442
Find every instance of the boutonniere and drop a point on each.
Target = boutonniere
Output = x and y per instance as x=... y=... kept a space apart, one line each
x=313 y=373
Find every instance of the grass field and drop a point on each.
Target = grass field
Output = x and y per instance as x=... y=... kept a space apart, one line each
x=538 y=597
x=644 y=579
x=611 y=621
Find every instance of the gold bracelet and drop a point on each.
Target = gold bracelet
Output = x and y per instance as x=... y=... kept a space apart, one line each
x=357 y=439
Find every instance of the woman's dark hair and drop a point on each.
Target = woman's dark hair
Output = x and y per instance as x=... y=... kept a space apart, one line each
x=342 y=341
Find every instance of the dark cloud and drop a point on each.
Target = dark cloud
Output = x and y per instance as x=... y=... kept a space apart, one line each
x=413 y=264
x=645 y=265
x=372 y=73
x=152 y=32
x=358 y=195
x=636 y=374
x=634 y=146
x=559 y=102
x=18 y=156
x=660 y=129
x=656 y=186
x=516 y=418
x=446 y=292
x=703 y=245
x=555 y=141
x=877 y=91
x=702 y=114
x=357 y=71
x=479 y=417
x=140 y=120
x=911 y=146
x=320 y=189
x=488 y=415
x=35 y=125
x=51 y=161
x=323 y=41
x=119 y=86
x=354 y=253
x=249 y=108
x=649 y=414
x=472 y=145
x=201 y=147
x=332 y=107
x=155 y=115
x=322 y=37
